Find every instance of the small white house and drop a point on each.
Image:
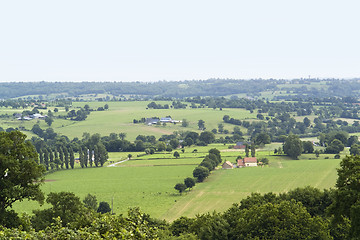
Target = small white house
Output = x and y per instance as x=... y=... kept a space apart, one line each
x=247 y=162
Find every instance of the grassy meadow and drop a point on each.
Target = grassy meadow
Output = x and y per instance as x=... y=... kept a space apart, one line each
x=119 y=118
x=148 y=181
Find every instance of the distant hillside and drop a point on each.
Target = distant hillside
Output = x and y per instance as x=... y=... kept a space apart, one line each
x=181 y=89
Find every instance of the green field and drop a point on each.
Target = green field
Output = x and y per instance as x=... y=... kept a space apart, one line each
x=119 y=118
x=148 y=181
x=226 y=187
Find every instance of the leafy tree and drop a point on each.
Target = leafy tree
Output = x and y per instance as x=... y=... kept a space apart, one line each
x=262 y=138
x=189 y=141
x=41 y=157
x=161 y=146
x=307 y=122
x=103 y=154
x=221 y=127
x=66 y=158
x=252 y=150
x=176 y=154
x=210 y=226
x=51 y=159
x=293 y=146
x=201 y=124
x=352 y=140
x=20 y=175
x=336 y=146
x=180 y=187
x=355 y=149
x=122 y=136
x=279 y=220
x=174 y=143
x=347 y=195
x=46 y=158
x=129 y=156
x=72 y=158
x=189 y=182
x=65 y=205
x=207 y=137
x=216 y=152
x=96 y=156
x=246 y=150
x=208 y=164
x=37 y=130
x=61 y=157
x=265 y=161
x=104 y=207
x=49 y=121
x=308 y=147
x=81 y=158
x=200 y=173
x=184 y=123
x=315 y=201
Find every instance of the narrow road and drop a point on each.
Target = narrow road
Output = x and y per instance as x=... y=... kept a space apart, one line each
x=114 y=164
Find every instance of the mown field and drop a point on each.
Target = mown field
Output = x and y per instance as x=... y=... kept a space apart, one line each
x=148 y=181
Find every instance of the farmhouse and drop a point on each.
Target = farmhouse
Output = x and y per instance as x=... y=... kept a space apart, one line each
x=154 y=121
x=227 y=165
x=150 y=121
x=166 y=120
x=240 y=145
x=247 y=162
x=31 y=117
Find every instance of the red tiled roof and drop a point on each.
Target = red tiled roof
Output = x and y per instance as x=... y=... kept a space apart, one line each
x=250 y=160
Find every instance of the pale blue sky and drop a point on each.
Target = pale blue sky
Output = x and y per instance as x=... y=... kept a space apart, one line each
x=178 y=40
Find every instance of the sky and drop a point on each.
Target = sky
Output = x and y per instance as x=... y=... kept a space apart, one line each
x=169 y=40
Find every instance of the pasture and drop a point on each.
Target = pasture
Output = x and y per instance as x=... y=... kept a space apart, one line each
x=119 y=118
x=148 y=181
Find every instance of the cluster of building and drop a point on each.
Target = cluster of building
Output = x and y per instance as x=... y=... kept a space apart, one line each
x=19 y=116
x=154 y=121
x=244 y=162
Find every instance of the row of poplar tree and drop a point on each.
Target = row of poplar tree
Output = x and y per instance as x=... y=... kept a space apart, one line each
x=63 y=157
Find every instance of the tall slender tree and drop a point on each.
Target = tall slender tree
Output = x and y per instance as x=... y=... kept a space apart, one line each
x=86 y=156
x=96 y=156
x=61 y=157
x=56 y=159
x=253 y=150
x=41 y=157
x=46 y=158
x=81 y=158
x=72 y=158
x=66 y=158
x=51 y=157
x=103 y=154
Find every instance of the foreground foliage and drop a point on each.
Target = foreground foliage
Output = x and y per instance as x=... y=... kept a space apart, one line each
x=20 y=175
